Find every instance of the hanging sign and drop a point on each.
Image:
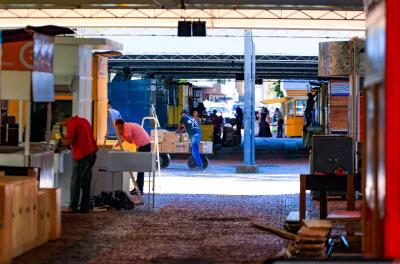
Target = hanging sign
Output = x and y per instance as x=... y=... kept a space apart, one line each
x=340 y=89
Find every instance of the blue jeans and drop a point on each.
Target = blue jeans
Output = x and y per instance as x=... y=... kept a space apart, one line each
x=195 y=142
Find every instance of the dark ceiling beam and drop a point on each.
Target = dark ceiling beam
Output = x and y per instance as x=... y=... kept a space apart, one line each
x=215 y=66
x=233 y=76
x=209 y=65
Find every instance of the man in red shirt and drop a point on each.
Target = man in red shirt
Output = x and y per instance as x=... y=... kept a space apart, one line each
x=80 y=138
x=135 y=134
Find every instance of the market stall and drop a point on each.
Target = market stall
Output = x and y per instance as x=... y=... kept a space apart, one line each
x=292 y=112
x=26 y=78
x=80 y=76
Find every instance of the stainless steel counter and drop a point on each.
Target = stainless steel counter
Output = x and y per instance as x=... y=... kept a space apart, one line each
x=63 y=173
x=39 y=158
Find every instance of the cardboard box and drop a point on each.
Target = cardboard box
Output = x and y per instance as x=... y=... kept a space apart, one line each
x=171 y=137
x=160 y=135
x=167 y=147
x=153 y=145
x=182 y=147
x=184 y=137
x=206 y=147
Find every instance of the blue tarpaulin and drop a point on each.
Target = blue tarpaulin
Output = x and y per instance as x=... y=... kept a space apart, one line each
x=132 y=99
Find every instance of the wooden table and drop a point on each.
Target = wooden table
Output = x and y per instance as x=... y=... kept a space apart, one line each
x=322 y=184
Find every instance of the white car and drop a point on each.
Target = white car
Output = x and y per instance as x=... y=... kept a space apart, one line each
x=224 y=110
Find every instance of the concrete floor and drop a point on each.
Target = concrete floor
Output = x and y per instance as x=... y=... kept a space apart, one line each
x=276 y=176
x=200 y=217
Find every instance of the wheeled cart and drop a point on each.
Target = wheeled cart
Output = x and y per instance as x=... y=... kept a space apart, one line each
x=167 y=142
x=165 y=159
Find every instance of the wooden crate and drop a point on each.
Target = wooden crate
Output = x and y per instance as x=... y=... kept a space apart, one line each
x=19 y=214
x=339 y=112
x=53 y=214
x=28 y=217
x=43 y=226
x=6 y=192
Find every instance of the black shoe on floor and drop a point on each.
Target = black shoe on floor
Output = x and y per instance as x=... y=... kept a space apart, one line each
x=83 y=211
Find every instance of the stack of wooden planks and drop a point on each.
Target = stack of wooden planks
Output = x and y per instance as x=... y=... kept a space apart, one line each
x=339 y=108
x=309 y=242
x=293 y=223
x=316 y=232
x=29 y=216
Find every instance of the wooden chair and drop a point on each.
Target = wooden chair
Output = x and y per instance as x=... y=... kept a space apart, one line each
x=323 y=184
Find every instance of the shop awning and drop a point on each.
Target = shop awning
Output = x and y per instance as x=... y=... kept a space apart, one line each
x=275 y=100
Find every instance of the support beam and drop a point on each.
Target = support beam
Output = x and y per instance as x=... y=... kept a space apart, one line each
x=168 y=18
x=188 y=5
x=249 y=164
x=214 y=66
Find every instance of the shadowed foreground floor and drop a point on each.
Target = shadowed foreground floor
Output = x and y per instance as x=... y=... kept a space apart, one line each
x=187 y=229
x=211 y=226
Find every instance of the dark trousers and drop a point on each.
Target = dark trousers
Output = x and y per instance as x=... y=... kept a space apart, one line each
x=140 y=175
x=80 y=181
x=280 y=128
x=239 y=127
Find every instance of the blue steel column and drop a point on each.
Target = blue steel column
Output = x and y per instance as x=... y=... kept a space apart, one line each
x=249 y=86
x=253 y=105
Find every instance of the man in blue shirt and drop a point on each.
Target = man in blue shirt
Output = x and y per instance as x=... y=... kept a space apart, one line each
x=193 y=129
x=113 y=115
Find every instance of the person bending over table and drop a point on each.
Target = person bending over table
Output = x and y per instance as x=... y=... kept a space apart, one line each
x=80 y=138
x=134 y=134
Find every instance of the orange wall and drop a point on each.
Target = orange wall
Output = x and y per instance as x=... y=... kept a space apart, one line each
x=13 y=110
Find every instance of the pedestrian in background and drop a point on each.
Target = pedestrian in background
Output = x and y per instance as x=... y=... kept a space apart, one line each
x=239 y=120
x=279 y=118
x=265 y=130
x=113 y=115
x=256 y=123
x=197 y=117
x=217 y=121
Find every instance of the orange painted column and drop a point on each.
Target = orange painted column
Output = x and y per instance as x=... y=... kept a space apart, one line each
x=100 y=97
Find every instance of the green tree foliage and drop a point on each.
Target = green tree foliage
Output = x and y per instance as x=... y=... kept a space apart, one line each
x=277 y=89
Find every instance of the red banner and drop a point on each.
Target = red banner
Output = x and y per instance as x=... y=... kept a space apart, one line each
x=392 y=212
